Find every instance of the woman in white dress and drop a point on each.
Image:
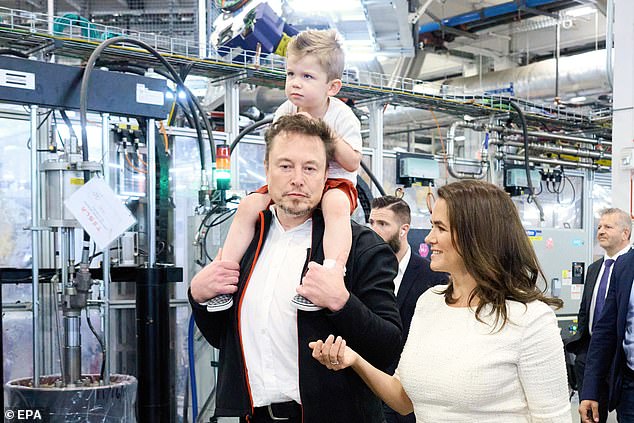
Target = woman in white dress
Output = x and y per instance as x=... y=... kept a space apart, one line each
x=486 y=347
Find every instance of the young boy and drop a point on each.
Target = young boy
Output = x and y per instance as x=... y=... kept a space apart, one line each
x=314 y=67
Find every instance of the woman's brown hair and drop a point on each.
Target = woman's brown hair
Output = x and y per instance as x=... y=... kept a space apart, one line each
x=487 y=232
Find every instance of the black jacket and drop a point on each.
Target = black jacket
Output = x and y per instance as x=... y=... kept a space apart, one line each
x=606 y=356
x=369 y=322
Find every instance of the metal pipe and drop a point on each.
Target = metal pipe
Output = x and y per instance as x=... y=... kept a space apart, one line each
x=72 y=325
x=232 y=117
x=609 y=39
x=376 y=140
x=202 y=28
x=35 y=246
x=557 y=55
x=558 y=149
x=130 y=304
x=451 y=159
x=50 y=11
x=72 y=347
x=151 y=193
x=63 y=257
x=105 y=308
x=599 y=168
x=537 y=134
x=588 y=217
x=579 y=74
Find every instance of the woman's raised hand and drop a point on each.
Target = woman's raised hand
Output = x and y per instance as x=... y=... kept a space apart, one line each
x=333 y=353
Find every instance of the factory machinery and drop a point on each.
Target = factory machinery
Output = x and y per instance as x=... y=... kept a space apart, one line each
x=179 y=171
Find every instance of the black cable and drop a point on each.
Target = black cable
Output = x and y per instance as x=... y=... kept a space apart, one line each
x=90 y=64
x=217 y=221
x=183 y=74
x=194 y=105
x=223 y=214
x=574 y=192
x=531 y=194
x=139 y=70
x=248 y=130
x=46 y=116
x=12 y=52
x=58 y=134
x=192 y=116
x=101 y=343
x=373 y=178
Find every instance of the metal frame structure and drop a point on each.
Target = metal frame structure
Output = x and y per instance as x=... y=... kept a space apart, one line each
x=27 y=32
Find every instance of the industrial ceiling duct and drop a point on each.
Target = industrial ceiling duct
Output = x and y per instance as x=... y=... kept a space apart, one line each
x=580 y=74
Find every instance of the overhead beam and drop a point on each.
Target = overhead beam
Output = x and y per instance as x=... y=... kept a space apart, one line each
x=601 y=5
x=414 y=17
x=450 y=29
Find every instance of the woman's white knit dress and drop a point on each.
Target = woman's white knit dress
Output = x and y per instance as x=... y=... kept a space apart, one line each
x=456 y=369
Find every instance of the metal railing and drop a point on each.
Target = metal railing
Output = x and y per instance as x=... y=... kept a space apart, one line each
x=76 y=28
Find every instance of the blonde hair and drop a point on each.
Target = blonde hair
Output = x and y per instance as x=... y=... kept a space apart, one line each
x=323 y=45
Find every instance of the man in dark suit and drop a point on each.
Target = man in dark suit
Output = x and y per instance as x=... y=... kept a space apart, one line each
x=613 y=234
x=610 y=356
x=390 y=218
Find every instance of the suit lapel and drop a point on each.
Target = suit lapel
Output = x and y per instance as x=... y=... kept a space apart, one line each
x=406 y=282
x=593 y=274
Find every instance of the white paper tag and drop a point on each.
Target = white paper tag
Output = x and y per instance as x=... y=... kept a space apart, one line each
x=575 y=291
x=147 y=96
x=100 y=212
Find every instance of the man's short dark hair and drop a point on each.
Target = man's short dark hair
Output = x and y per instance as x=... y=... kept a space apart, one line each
x=303 y=125
x=398 y=206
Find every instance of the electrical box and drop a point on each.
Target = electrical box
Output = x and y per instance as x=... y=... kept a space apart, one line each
x=515 y=181
x=562 y=254
x=578 y=272
x=626 y=158
x=53 y=85
x=412 y=167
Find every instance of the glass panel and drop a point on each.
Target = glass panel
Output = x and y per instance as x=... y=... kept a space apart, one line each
x=251 y=166
x=15 y=243
x=562 y=204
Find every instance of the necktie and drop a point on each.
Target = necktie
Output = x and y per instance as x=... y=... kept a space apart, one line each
x=603 y=285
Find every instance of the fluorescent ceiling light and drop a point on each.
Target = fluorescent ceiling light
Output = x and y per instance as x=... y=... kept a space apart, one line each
x=581 y=11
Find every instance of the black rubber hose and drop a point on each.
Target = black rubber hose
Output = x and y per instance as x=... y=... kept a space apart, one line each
x=12 y=52
x=373 y=178
x=90 y=64
x=248 y=130
x=192 y=121
x=531 y=193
